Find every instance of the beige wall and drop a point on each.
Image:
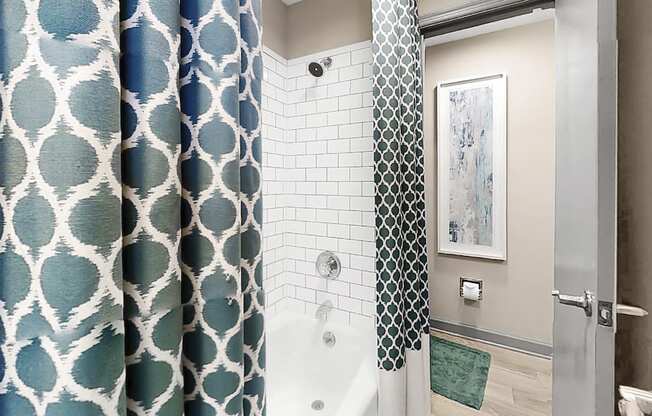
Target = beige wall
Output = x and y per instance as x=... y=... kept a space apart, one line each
x=312 y=26
x=634 y=338
x=275 y=23
x=517 y=292
x=317 y=25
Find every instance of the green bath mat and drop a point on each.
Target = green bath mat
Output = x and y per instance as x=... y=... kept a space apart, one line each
x=458 y=372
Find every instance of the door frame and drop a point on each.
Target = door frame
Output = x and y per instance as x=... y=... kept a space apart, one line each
x=586 y=107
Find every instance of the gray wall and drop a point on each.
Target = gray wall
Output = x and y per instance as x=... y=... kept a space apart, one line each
x=317 y=25
x=517 y=298
x=312 y=26
x=634 y=337
x=275 y=23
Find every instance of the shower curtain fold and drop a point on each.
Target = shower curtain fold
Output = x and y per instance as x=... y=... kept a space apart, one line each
x=130 y=196
x=401 y=256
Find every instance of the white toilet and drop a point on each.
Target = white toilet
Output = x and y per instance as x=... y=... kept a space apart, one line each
x=635 y=402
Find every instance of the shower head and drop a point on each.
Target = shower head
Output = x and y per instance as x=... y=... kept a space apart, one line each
x=316 y=69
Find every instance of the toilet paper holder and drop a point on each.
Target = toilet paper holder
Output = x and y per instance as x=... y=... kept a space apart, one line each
x=478 y=282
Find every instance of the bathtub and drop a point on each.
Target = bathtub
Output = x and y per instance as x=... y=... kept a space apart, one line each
x=303 y=372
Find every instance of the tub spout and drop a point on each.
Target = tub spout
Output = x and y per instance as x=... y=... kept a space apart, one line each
x=323 y=310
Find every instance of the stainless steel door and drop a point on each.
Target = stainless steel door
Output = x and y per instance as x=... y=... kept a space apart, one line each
x=585 y=228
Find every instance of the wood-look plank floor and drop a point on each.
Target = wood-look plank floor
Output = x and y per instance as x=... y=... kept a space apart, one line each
x=518 y=385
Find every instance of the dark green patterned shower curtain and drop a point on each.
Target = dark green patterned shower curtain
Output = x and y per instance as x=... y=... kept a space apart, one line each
x=401 y=255
x=130 y=222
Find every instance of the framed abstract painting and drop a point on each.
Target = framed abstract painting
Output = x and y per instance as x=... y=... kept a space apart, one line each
x=471 y=159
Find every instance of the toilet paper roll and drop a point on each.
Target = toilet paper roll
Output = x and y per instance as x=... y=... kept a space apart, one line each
x=471 y=291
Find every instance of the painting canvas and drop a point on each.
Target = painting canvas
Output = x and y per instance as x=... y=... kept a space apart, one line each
x=471 y=167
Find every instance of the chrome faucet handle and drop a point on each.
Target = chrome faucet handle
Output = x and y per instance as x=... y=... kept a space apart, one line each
x=328 y=265
x=584 y=301
x=323 y=310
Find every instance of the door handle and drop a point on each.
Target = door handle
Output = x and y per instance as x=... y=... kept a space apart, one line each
x=585 y=301
x=630 y=310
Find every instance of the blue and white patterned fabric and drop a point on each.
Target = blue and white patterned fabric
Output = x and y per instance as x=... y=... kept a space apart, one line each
x=130 y=208
x=401 y=254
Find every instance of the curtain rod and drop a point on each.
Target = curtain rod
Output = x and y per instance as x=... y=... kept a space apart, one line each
x=477 y=14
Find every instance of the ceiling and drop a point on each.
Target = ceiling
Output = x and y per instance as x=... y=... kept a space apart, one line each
x=290 y=2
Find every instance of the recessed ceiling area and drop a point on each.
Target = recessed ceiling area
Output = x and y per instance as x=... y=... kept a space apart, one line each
x=291 y=2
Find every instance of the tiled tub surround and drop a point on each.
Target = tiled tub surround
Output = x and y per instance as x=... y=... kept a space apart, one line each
x=318 y=182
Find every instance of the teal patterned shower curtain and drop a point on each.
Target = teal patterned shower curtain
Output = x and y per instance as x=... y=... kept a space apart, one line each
x=401 y=255
x=130 y=208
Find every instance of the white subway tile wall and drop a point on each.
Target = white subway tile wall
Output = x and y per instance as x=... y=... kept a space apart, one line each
x=318 y=183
